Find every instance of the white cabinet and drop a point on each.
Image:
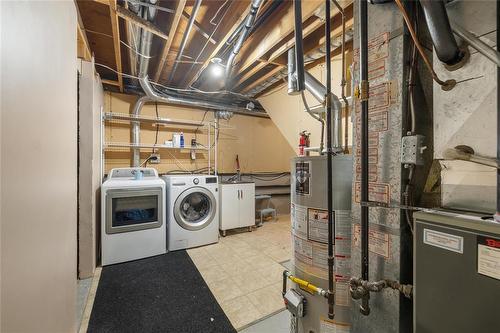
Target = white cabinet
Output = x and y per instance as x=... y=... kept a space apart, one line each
x=237 y=206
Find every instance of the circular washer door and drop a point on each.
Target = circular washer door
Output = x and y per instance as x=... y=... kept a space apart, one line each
x=194 y=208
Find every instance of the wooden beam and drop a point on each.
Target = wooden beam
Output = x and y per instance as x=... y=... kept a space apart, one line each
x=263 y=78
x=139 y=21
x=273 y=32
x=83 y=36
x=171 y=33
x=313 y=28
x=116 y=41
x=337 y=51
x=110 y=82
x=221 y=44
x=197 y=27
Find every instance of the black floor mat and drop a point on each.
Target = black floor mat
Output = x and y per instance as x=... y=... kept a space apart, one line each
x=160 y=294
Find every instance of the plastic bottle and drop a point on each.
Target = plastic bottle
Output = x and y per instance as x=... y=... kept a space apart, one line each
x=182 y=139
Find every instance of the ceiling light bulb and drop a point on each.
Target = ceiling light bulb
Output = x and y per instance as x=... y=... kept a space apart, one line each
x=217 y=70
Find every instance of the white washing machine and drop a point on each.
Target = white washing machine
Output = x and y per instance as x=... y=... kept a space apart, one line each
x=133 y=222
x=192 y=211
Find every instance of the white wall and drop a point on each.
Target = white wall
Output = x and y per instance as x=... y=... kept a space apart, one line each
x=287 y=112
x=467 y=114
x=91 y=102
x=38 y=166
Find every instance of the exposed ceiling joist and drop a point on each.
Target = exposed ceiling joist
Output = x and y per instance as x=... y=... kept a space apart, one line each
x=116 y=41
x=86 y=54
x=273 y=32
x=197 y=26
x=314 y=28
x=221 y=44
x=168 y=44
x=110 y=82
x=263 y=78
x=337 y=51
x=145 y=24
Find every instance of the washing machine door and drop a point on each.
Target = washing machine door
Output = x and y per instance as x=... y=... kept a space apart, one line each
x=195 y=208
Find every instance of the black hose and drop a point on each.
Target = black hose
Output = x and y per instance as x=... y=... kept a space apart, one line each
x=328 y=99
x=439 y=28
x=363 y=55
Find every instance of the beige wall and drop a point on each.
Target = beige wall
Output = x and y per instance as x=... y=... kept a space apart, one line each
x=257 y=141
x=287 y=112
x=89 y=175
x=38 y=166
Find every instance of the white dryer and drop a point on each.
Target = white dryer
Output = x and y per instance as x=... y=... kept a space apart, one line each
x=192 y=211
x=133 y=222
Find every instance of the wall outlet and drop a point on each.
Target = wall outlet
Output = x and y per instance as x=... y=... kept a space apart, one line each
x=154 y=159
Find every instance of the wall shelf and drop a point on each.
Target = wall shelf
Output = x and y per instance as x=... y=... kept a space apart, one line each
x=154 y=120
x=110 y=145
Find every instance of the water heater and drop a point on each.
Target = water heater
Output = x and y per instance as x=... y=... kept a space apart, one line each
x=309 y=216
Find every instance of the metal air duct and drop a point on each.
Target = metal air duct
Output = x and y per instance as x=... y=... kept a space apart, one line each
x=443 y=40
x=245 y=31
x=153 y=95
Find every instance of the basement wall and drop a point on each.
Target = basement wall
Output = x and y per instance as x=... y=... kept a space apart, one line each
x=467 y=114
x=38 y=166
x=258 y=142
x=287 y=112
x=89 y=173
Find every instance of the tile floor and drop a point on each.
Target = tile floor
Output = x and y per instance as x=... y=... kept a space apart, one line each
x=244 y=271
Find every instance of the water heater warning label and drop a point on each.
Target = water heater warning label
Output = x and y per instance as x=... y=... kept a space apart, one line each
x=318 y=225
x=488 y=256
x=302 y=178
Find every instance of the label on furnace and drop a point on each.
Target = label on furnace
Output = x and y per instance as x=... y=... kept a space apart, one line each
x=488 y=256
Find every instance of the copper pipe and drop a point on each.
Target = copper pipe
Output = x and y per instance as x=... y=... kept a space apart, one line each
x=446 y=85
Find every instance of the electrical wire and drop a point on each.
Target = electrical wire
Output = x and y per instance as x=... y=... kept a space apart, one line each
x=447 y=83
x=217 y=13
x=171 y=88
x=122 y=42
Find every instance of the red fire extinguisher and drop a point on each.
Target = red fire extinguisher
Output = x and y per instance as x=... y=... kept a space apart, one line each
x=303 y=142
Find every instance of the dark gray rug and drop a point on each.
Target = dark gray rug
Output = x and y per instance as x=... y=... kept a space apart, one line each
x=160 y=294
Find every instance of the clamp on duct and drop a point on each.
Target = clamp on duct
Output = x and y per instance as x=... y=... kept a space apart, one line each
x=361 y=288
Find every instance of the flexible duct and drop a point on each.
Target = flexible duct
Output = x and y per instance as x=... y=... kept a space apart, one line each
x=245 y=31
x=439 y=28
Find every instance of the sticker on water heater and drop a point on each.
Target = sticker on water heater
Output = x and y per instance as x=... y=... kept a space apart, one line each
x=303 y=178
x=342 y=294
x=378 y=242
x=444 y=241
x=300 y=221
x=488 y=256
x=317 y=225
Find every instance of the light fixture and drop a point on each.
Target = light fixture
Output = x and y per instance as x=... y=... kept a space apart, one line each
x=216 y=67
